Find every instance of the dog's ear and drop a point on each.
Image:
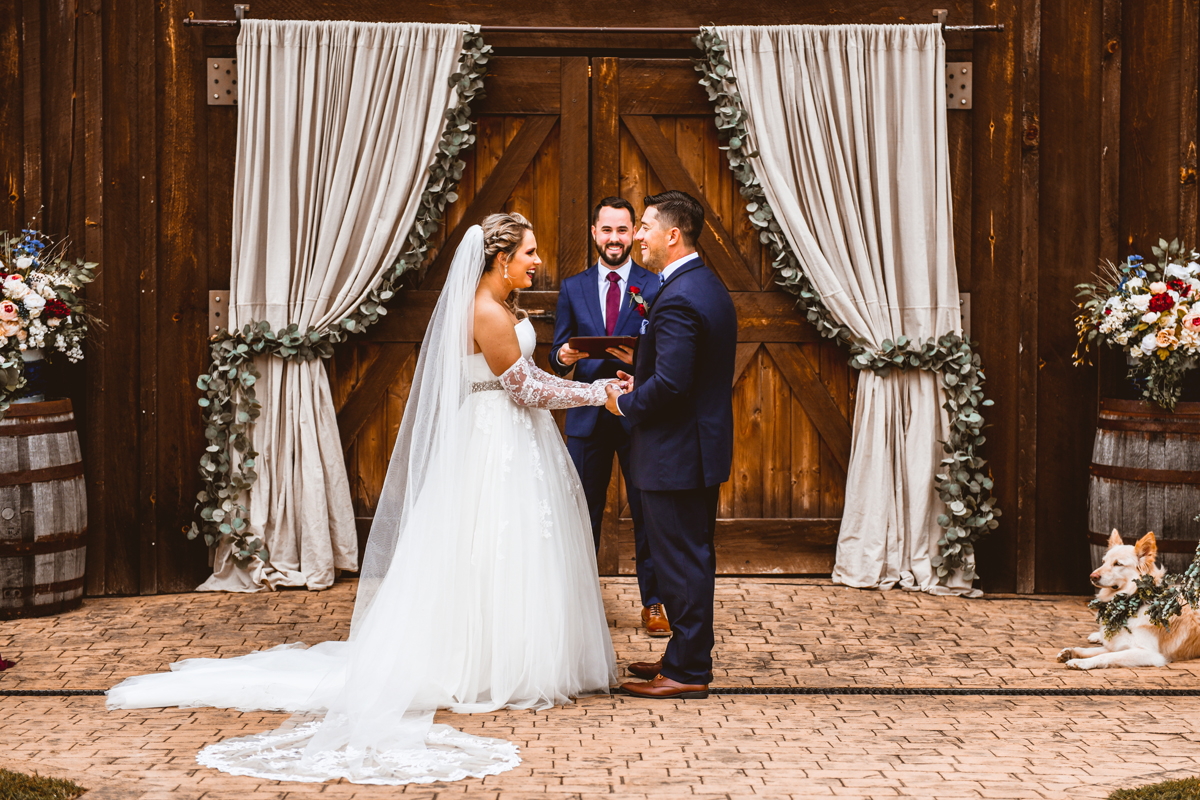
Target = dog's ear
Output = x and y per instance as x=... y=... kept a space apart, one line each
x=1146 y=549
x=1115 y=539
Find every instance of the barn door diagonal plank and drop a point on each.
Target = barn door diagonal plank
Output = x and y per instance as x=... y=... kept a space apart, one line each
x=370 y=391
x=512 y=165
x=745 y=352
x=811 y=393
x=715 y=240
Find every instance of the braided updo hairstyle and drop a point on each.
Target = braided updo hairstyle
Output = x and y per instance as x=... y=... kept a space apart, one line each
x=504 y=233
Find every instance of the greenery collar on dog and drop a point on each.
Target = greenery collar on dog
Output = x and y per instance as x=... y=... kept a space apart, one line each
x=1163 y=600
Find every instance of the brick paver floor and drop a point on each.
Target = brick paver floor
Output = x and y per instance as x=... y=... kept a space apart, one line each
x=781 y=632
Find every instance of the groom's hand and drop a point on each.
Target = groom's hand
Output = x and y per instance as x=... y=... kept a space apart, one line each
x=613 y=393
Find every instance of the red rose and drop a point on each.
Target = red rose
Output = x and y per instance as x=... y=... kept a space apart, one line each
x=634 y=290
x=1161 y=302
x=641 y=310
x=1179 y=287
x=57 y=308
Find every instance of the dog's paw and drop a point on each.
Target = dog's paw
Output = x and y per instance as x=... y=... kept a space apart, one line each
x=1096 y=638
x=1076 y=663
x=1066 y=654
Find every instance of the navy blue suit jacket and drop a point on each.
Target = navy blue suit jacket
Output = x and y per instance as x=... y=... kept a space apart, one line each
x=681 y=406
x=579 y=314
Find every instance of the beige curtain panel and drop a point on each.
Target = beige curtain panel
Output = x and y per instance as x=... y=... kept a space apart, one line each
x=338 y=124
x=849 y=123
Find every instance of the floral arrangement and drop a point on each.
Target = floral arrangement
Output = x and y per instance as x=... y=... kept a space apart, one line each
x=1151 y=311
x=39 y=307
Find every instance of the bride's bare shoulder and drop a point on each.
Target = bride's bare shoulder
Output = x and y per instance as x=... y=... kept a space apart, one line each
x=490 y=315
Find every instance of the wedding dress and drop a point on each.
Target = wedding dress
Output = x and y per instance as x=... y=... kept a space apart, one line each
x=479 y=590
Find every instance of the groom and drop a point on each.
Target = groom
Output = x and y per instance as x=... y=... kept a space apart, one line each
x=680 y=408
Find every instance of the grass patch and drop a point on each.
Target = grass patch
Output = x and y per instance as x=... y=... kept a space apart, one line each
x=15 y=786
x=1186 y=789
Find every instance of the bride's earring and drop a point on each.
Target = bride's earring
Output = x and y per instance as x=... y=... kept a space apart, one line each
x=507 y=279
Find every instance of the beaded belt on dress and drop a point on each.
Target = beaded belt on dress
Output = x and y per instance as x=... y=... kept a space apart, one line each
x=486 y=386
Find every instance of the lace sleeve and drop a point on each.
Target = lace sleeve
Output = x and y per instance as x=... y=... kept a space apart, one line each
x=531 y=387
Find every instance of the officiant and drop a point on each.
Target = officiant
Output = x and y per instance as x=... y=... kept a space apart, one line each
x=609 y=298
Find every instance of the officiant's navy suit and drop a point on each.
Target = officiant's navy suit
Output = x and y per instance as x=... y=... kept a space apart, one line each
x=593 y=434
x=681 y=413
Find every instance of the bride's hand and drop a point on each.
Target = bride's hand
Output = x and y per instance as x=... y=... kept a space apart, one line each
x=625 y=381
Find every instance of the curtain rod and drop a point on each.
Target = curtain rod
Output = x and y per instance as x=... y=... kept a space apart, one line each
x=233 y=23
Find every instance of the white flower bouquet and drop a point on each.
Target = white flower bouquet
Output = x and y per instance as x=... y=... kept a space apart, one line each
x=1151 y=311
x=40 y=309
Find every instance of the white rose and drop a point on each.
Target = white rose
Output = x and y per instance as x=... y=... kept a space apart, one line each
x=24 y=262
x=1150 y=317
x=1175 y=271
x=1140 y=302
x=1158 y=287
x=1193 y=267
x=1149 y=343
x=1133 y=283
x=34 y=302
x=53 y=322
x=14 y=287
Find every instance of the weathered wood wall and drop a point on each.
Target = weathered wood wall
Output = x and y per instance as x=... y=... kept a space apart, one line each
x=1081 y=145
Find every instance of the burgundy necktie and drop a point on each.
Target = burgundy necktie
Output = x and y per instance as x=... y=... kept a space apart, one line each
x=612 y=304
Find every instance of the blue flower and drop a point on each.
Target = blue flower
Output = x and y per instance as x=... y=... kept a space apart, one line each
x=1136 y=259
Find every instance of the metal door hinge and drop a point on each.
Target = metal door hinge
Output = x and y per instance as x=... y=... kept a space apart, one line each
x=218 y=311
x=958 y=85
x=221 y=82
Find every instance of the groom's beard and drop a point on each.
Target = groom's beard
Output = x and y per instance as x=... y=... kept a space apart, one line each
x=619 y=261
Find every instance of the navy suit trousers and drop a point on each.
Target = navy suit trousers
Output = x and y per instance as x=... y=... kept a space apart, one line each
x=593 y=457
x=680 y=526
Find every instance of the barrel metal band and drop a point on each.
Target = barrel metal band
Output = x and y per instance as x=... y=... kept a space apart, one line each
x=58 y=543
x=1107 y=423
x=37 y=428
x=1164 y=545
x=43 y=409
x=1139 y=475
x=58 y=587
x=58 y=473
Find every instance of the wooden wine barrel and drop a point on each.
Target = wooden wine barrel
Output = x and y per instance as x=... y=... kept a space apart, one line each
x=43 y=510
x=1145 y=476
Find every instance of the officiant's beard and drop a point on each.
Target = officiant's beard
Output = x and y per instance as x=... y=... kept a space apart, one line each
x=620 y=260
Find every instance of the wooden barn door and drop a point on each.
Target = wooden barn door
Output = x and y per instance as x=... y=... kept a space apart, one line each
x=653 y=129
x=554 y=136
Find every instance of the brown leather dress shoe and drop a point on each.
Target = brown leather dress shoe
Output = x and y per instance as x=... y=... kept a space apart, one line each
x=654 y=618
x=664 y=688
x=645 y=669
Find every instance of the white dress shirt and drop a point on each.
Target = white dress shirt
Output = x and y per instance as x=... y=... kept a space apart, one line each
x=622 y=284
x=676 y=264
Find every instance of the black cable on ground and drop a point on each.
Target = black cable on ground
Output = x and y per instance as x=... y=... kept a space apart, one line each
x=901 y=691
x=961 y=691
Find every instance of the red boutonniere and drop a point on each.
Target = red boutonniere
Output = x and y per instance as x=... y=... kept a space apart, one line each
x=639 y=304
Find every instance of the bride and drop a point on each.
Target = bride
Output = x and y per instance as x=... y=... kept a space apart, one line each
x=478 y=590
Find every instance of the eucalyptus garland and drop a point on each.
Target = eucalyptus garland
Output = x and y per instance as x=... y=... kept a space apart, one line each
x=964 y=483
x=1163 y=600
x=229 y=402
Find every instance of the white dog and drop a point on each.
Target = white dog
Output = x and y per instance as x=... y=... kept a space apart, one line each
x=1141 y=643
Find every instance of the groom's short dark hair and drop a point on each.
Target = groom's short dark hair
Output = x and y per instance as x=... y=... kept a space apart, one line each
x=680 y=210
x=614 y=202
